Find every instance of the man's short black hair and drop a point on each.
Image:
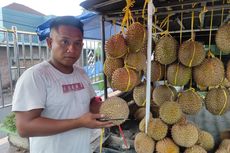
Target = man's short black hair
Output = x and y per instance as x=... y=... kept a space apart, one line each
x=67 y=20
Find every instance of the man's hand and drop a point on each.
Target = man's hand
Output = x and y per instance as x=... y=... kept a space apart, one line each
x=90 y=120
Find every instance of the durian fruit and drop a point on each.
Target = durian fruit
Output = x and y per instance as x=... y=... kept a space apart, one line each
x=139 y=94
x=164 y=93
x=228 y=71
x=135 y=36
x=184 y=134
x=124 y=79
x=223 y=38
x=139 y=78
x=136 y=61
x=170 y=112
x=195 y=149
x=142 y=123
x=209 y=73
x=190 y=102
x=205 y=140
x=166 y=50
x=116 y=46
x=143 y=143
x=225 y=83
x=111 y=65
x=191 y=53
x=178 y=75
x=167 y=146
x=225 y=144
x=221 y=150
x=157 y=129
x=217 y=101
x=115 y=107
x=140 y=113
x=144 y=48
x=157 y=71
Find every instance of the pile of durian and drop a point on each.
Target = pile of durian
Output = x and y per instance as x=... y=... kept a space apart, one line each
x=170 y=132
x=126 y=58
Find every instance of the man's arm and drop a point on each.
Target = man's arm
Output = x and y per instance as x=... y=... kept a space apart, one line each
x=31 y=123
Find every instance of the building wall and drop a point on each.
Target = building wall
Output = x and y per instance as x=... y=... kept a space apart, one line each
x=23 y=21
x=1 y=23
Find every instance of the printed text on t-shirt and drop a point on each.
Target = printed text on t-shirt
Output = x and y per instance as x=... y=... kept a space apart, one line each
x=72 y=87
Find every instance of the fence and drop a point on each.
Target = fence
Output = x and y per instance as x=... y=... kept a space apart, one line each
x=20 y=50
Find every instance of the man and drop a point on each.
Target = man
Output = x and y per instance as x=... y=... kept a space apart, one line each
x=54 y=102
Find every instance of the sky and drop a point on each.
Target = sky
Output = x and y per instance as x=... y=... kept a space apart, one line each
x=50 y=7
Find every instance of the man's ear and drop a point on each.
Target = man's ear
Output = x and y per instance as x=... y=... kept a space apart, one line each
x=49 y=42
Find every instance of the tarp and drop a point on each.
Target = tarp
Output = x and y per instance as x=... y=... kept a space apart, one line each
x=92 y=27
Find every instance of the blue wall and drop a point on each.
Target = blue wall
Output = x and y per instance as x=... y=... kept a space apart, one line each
x=23 y=21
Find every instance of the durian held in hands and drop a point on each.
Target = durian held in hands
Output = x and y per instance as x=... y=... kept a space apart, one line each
x=115 y=109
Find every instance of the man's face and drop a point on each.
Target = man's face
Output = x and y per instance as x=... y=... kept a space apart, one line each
x=66 y=44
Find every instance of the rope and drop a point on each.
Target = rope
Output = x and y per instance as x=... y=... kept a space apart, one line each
x=193 y=55
x=143 y=10
x=192 y=24
x=210 y=33
x=128 y=15
x=114 y=24
x=181 y=19
x=202 y=12
x=173 y=95
x=143 y=104
x=155 y=28
x=177 y=70
x=165 y=74
x=164 y=23
x=225 y=102
x=123 y=136
x=128 y=86
x=222 y=20
x=129 y=66
x=101 y=139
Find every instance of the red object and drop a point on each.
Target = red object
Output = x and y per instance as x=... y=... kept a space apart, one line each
x=96 y=99
x=123 y=136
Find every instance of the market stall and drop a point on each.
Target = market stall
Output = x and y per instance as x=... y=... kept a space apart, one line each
x=173 y=59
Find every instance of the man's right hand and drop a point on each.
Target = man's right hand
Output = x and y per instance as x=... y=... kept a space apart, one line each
x=90 y=120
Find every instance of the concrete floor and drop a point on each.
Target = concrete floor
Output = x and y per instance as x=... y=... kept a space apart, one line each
x=5 y=147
